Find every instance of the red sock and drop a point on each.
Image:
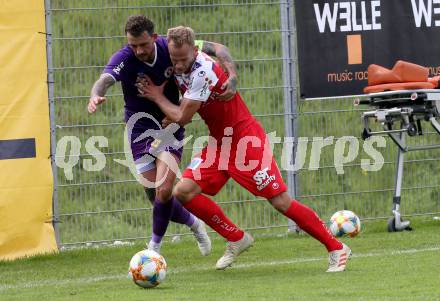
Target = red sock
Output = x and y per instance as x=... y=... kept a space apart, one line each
x=310 y=222
x=211 y=213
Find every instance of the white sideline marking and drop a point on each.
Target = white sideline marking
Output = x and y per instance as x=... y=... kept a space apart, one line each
x=80 y=281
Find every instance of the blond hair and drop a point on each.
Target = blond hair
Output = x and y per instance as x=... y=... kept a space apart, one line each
x=181 y=35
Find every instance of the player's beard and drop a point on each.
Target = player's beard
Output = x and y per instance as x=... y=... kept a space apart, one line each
x=186 y=70
x=146 y=58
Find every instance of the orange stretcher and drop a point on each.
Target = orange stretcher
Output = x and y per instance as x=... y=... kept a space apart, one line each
x=402 y=97
x=403 y=76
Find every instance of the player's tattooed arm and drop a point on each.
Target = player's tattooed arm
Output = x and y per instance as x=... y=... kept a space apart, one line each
x=99 y=89
x=221 y=52
x=101 y=86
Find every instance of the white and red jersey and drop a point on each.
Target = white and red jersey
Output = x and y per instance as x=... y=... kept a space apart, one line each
x=211 y=170
x=206 y=77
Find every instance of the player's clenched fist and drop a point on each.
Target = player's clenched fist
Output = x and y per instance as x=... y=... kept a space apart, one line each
x=94 y=102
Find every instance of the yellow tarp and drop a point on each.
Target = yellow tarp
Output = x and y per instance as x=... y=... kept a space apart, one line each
x=26 y=184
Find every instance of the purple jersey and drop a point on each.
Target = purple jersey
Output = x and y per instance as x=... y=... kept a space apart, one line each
x=125 y=67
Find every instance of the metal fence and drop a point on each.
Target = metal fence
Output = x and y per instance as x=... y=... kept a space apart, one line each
x=100 y=203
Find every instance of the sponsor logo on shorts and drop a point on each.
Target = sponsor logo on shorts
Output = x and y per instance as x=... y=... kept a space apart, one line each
x=156 y=143
x=262 y=178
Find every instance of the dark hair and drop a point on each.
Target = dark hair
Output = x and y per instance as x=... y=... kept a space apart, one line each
x=137 y=24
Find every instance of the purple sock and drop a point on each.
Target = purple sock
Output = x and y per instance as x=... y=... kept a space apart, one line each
x=180 y=214
x=161 y=219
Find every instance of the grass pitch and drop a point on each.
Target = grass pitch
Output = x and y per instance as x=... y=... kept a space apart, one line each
x=384 y=266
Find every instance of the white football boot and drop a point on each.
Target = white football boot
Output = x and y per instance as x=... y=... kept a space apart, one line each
x=203 y=240
x=337 y=260
x=154 y=246
x=233 y=249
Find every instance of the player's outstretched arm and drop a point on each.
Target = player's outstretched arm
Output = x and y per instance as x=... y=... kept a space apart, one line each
x=99 y=89
x=181 y=114
x=221 y=52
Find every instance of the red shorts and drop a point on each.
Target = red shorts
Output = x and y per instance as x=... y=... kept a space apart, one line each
x=247 y=159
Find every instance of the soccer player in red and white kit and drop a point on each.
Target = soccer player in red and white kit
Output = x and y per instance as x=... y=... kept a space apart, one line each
x=239 y=150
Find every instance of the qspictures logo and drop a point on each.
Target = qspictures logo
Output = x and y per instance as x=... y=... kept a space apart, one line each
x=297 y=152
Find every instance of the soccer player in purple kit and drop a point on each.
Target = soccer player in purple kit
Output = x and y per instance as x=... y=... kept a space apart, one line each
x=146 y=54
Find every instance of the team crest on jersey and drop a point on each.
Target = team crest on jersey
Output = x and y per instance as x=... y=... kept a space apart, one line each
x=201 y=73
x=168 y=72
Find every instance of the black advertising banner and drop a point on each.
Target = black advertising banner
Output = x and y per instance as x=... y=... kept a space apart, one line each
x=338 y=40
